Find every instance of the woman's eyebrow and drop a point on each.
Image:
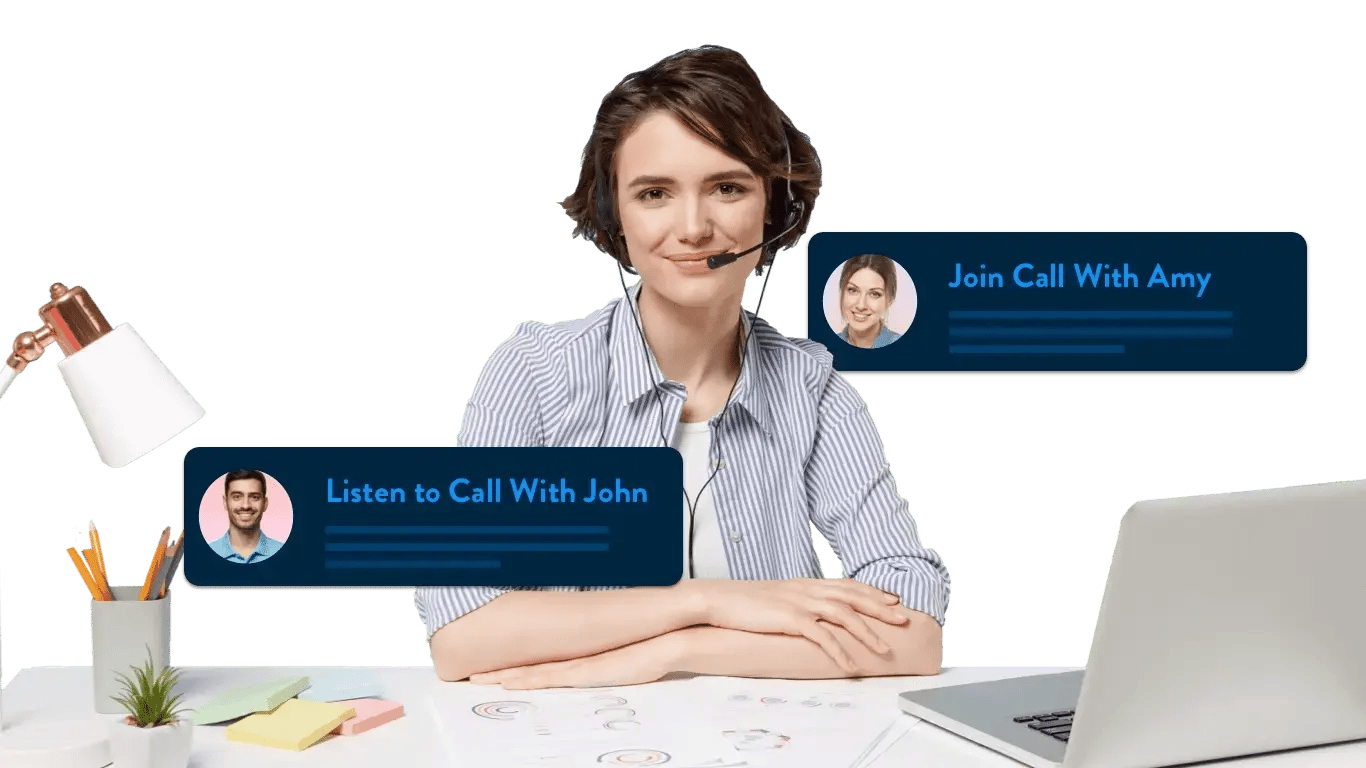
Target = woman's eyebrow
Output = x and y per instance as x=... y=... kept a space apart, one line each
x=665 y=181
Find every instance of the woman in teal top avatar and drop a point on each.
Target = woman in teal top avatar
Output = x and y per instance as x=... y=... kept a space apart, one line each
x=867 y=290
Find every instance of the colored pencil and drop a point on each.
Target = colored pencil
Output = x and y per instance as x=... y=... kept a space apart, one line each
x=96 y=593
x=177 y=550
x=157 y=558
x=97 y=574
x=99 y=554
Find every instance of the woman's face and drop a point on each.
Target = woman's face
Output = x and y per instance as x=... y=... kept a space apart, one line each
x=863 y=300
x=680 y=200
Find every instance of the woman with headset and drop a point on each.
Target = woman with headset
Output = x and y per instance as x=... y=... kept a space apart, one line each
x=692 y=178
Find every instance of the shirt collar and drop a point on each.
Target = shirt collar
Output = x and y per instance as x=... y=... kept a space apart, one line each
x=635 y=375
x=262 y=542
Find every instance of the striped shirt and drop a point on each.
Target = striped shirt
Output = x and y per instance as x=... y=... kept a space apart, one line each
x=796 y=446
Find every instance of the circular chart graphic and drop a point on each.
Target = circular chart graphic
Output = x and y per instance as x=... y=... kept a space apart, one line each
x=616 y=712
x=501 y=710
x=609 y=701
x=634 y=757
x=773 y=700
x=621 y=725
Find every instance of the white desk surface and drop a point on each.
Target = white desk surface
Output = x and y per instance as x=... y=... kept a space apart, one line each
x=413 y=740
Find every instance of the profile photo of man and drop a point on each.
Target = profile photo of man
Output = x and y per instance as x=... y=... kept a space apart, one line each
x=245 y=502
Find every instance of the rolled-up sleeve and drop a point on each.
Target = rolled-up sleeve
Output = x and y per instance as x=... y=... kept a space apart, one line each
x=505 y=410
x=855 y=504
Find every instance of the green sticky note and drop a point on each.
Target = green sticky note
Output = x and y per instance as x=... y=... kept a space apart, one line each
x=249 y=699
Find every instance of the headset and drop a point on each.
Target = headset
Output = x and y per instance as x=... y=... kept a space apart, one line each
x=789 y=211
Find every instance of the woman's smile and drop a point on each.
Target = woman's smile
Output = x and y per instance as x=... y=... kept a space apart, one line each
x=692 y=263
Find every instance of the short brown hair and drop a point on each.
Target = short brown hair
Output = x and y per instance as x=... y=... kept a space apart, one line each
x=712 y=91
x=879 y=264
x=244 y=474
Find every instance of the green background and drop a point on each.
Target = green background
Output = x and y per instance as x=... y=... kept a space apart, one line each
x=325 y=216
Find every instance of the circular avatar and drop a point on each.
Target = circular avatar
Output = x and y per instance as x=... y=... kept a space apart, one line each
x=245 y=516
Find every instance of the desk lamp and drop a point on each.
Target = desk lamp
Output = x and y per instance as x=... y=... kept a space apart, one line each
x=127 y=398
x=131 y=404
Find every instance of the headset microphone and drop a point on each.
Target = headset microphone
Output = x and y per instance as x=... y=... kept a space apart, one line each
x=722 y=259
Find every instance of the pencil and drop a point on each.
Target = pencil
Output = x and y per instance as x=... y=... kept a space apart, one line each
x=157 y=557
x=175 y=551
x=163 y=572
x=85 y=574
x=99 y=553
x=95 y=574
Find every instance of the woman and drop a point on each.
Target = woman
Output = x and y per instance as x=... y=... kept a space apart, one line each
x=687 y=160
x=867 y=290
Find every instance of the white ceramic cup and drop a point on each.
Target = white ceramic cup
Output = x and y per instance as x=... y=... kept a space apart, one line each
x=123 y=632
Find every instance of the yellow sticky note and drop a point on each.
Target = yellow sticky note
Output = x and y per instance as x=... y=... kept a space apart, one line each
x=295 y=724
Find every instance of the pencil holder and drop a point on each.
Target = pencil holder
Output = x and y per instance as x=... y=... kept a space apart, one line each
x=122 y=632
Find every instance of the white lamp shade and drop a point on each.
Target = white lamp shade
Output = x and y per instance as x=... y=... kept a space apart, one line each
x=130 y=401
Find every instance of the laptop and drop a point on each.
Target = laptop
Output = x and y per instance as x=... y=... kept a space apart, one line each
x=1232 y=624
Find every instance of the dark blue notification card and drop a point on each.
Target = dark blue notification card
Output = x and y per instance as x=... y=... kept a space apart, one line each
x=516 y=517
x=1069 y=301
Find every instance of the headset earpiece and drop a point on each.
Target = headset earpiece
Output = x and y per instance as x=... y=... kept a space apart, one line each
x=606 y=218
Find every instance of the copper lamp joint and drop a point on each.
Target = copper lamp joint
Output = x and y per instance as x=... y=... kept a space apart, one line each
x=70 y=319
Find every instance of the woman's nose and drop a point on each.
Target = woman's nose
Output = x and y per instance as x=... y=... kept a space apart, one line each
x=694 y=220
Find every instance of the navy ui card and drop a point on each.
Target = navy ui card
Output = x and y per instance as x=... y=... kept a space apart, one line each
x=1072 y=301
x=516 y=517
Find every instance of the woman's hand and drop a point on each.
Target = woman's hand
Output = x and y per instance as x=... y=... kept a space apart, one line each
x=801 y=607
x=641 y=662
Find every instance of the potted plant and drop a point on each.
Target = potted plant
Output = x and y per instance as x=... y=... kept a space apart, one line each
x=153 y=735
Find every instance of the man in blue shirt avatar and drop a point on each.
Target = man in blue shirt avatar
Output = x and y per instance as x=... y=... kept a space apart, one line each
x=244 y=499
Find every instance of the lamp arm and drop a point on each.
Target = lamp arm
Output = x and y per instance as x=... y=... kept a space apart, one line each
x=28 y=346
x=7 y=375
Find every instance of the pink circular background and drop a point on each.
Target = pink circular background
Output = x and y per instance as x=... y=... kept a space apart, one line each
x=276 y=523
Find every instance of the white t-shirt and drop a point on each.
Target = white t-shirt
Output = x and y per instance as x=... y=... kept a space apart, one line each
x=693 y=441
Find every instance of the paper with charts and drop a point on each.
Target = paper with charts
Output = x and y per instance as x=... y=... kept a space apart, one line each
x=694 y=723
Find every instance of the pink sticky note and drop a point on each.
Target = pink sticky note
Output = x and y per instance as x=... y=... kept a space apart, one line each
x=370 y=713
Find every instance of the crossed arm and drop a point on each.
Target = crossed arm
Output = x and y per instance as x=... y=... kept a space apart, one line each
x=795 y=628
x=791 y=628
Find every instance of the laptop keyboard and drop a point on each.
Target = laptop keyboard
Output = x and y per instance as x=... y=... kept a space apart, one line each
x=1055 y=724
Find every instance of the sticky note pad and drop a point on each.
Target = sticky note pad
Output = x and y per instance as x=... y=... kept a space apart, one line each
x=370 y=713
x=247 y=699
x=297 y=724
x=342 y=684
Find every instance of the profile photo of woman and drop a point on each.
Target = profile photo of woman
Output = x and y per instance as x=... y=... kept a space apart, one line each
x=867 y=288
x=692 y=179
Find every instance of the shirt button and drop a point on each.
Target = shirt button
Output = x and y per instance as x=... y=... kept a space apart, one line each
x=721 y=464
x=735 y=536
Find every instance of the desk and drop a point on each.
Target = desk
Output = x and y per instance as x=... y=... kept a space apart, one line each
x=414 y=740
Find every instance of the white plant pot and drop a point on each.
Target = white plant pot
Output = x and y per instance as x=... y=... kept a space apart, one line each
x=165 y=746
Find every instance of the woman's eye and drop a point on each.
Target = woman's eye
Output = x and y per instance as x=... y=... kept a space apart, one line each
x=730 y=190
x=652 y=195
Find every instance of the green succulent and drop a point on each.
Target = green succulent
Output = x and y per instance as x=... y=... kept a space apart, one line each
x=148 y=696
